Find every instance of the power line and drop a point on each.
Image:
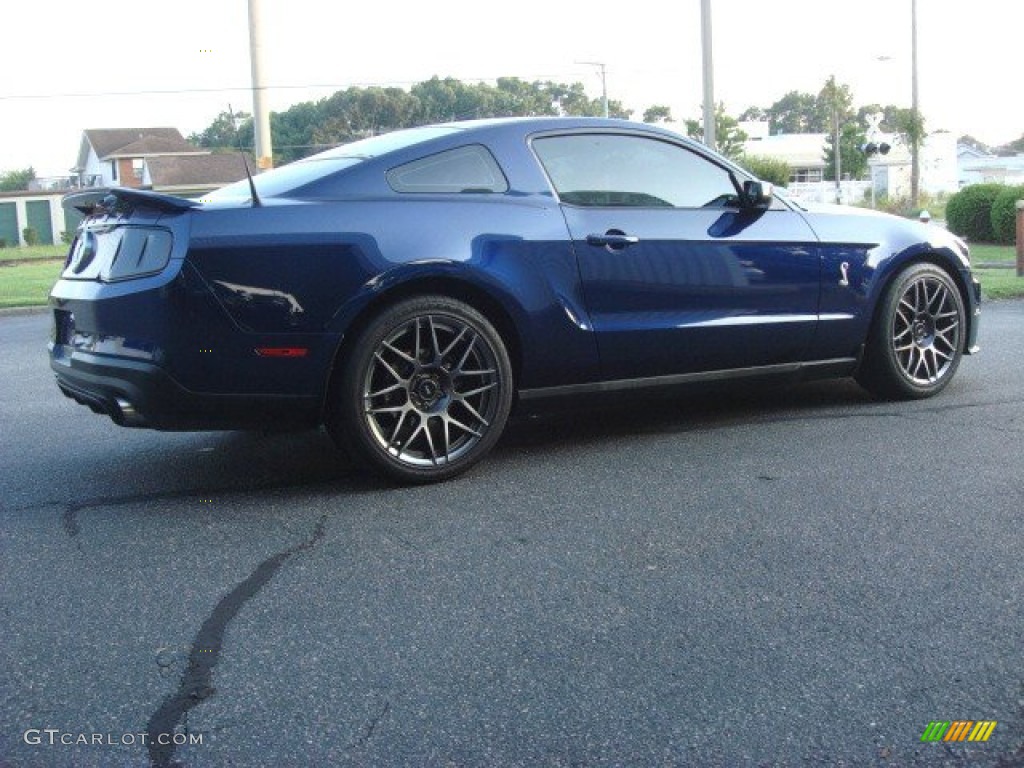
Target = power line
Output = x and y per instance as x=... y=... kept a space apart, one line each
x=294 y=86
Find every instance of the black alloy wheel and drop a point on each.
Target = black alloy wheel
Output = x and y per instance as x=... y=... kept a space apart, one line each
x=917 y=341
x=426 y=390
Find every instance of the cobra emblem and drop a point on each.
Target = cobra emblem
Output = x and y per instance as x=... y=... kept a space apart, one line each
x=844 y=268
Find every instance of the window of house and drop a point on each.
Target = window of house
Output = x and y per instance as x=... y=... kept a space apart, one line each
x=138 y=167
x=466 y=169
x=113 y=169
x=621 y=170
x=806 y=175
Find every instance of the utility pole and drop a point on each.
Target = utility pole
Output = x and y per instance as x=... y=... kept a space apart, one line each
x=260 y=111
x=836 y=140
x=837 y=150
x=915 y=137
x=604 y=82
x=709 y=75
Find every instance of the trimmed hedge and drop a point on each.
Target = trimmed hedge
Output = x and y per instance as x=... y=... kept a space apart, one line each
x=1004 y=214
x=969 y=212
x=767 y=168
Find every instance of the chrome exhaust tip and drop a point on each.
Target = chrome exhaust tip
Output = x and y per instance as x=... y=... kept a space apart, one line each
x=128 y=416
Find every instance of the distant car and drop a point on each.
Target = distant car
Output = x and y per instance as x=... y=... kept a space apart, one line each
x=405 y=289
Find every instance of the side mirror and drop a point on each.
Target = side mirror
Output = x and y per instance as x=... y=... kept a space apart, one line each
x=757 y=194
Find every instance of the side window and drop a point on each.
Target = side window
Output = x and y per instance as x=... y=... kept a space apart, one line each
x=466 y=169
x=619 y=170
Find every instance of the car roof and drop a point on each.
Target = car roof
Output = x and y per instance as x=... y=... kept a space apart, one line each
x=462 y=130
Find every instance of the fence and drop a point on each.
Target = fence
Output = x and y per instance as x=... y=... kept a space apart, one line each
x=825 y=191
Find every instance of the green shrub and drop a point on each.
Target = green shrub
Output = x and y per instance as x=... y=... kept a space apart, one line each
x=67 y=237
x=1004 y=214
x=969 y=212
x=30 y=235
x=767 y=168
x=898 y=206
x=3 y=242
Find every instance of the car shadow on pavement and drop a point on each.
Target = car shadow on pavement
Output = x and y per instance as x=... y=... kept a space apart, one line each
x=608 y=417
x=196 y=465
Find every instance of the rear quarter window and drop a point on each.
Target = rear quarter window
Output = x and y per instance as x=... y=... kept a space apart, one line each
x=464 y=169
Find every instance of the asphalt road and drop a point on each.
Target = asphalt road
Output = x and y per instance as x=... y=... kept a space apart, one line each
x=766 y=577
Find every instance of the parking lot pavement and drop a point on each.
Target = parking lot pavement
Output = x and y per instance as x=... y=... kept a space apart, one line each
x=766 y=576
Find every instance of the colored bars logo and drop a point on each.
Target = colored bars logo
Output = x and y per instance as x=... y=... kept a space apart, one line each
x=958 y=730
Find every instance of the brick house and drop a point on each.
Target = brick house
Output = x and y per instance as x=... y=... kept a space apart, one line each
x=147 y=158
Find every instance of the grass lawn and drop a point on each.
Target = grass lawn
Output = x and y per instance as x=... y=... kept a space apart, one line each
x=997 y=283
x=986 y=252
x=26 y=285
x=1000 y=283
x=24 y=253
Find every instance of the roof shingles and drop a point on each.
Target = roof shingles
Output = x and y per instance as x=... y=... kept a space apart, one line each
x=108 y=141
x=195 y=171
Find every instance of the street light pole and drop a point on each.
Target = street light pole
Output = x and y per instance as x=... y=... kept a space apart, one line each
x=604 y=82
x=709 y=75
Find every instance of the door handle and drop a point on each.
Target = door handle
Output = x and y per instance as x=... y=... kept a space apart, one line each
x=613 y=239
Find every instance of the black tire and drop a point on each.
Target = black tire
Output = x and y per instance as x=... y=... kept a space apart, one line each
x=424 y=392
x=917 y=339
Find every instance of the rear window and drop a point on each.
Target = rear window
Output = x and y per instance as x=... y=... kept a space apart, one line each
x=465 y=169
x=282 y=180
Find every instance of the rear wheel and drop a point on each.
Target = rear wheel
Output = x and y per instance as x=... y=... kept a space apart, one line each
x=916 y=343
x=425 y=391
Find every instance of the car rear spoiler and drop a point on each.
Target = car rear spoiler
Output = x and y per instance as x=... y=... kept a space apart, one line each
x=109 y=198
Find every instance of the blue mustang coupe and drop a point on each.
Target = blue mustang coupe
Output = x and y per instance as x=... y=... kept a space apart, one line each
x=404 y=290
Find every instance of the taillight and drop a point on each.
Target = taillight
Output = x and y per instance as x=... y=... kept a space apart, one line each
x=141 y=251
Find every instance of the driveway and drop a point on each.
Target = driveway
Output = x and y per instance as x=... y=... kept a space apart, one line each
x=768 y=576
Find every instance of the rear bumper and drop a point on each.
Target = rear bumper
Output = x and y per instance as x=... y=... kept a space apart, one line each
x=161 y=352
x=140 y=394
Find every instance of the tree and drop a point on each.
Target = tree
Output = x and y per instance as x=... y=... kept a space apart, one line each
x=754 y=114
x=657 y=114
x=356 y=113
x=836 y=100
x=225 y=132
x=969 y=141
x=910 y=126
x=852 y=161
x=729 y=137
x=1014 y=147
x=15 y=181
x=796 y=113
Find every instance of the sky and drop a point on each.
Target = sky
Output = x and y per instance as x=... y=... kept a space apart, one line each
x=68 y=66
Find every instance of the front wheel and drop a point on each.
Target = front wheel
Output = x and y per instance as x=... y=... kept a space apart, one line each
x=917 y=340
x=425 y=391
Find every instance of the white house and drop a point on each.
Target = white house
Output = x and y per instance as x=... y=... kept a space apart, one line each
x=150 y=158
x=889 y=174
x=978 y=167
x=112 y=157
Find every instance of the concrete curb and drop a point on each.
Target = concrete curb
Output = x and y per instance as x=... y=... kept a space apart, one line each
x=19 y=311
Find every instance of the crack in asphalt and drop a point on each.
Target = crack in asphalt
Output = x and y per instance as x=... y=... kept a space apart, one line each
x=371 y=726
x=197 y=681
x=69 y=517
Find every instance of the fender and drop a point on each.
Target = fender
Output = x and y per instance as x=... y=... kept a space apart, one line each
x=554 y=334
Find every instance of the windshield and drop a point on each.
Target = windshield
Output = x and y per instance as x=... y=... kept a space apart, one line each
x=280 y=181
